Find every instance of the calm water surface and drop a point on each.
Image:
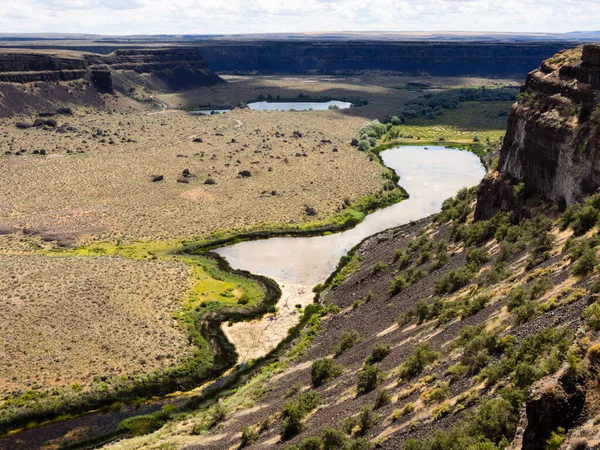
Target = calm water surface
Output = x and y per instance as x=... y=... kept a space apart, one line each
x=430 y=175
x=298 y=106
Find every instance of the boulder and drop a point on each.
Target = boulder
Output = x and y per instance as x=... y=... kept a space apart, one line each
x=155 y=178
x=310 y=211
x=245 y=174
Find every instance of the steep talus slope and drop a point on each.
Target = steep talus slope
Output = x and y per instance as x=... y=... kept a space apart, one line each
x=553 y=135
x=434 y=330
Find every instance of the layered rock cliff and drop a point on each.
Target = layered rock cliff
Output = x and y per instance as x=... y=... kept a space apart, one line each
x=171 y=68
x=488 y=59
x=552 y=141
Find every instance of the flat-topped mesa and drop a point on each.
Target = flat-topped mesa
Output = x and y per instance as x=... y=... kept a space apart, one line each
x=168 y=68
x=552 y=142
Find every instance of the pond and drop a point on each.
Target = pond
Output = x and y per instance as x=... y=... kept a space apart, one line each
x=299 y=106
x=283 y=106
x=429 y=174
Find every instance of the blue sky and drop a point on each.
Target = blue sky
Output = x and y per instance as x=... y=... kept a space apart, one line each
x=263 y=16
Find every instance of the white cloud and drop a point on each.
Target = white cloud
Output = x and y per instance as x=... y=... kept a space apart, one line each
x=262 y=16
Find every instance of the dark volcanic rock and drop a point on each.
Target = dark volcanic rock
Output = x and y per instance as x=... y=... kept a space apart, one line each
x=553 y=138
x=245 y=174
x=155 y=178
x=553 y=135
x=442 y=58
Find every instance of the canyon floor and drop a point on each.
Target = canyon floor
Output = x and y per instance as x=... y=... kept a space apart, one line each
x=77 y=197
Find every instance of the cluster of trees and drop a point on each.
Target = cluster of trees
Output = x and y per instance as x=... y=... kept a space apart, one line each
x=369 y=133
x=432 y=105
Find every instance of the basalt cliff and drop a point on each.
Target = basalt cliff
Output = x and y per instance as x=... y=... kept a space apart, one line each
x=35 y=79
x=552 y=141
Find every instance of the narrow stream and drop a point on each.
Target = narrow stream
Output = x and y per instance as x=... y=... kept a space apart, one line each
x=429 y=174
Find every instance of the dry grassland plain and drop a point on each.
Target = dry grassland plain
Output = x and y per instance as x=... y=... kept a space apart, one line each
x=107 y=189
x=65 y=320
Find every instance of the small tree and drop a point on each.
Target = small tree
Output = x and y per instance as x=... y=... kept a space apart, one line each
x=348 y=339
x=368 y=379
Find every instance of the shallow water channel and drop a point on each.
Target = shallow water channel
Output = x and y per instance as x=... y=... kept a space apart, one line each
x=429 y=174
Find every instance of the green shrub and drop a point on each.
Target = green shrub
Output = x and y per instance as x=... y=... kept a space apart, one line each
x=437 y=394
x=364 y=145
x=382 y=398
x=324 y=370
x=457 y=372
x=454 y=280
x=472 y=307
x=218 y=414
x=586 y=263
x=378 y=267
x=556 y=439
x=293 y=413
x=405 y=411
x=367 y=419
x=369 y=378
x=244 y=299
x=293 y=390
x=249 y=436
x=405 y=318
x=466 y=400
x=424 y=257
x=584 y=219
x=333 y=439
x=592 y=316
x=478 y=345
x=348 y=339
x=402 y=258
x=441 y=411
x=378 y=354
x=397 y=285
x=140 y=425
x=414 y=365
x=310 y=443
x=492 y=427
x=477 y=256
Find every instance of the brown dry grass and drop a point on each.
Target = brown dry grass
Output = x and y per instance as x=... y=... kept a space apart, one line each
x=107 y=189
x=64 y=320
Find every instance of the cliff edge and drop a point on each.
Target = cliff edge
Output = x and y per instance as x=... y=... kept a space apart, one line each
x=552 y=139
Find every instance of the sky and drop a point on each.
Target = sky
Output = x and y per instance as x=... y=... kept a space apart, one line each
x=124 y=17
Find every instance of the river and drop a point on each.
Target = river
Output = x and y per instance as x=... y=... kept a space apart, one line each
x=429 y=174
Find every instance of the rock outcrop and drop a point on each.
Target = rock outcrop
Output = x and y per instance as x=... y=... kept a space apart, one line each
x=170 y=69
x=553 y=137
x=567 y=401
